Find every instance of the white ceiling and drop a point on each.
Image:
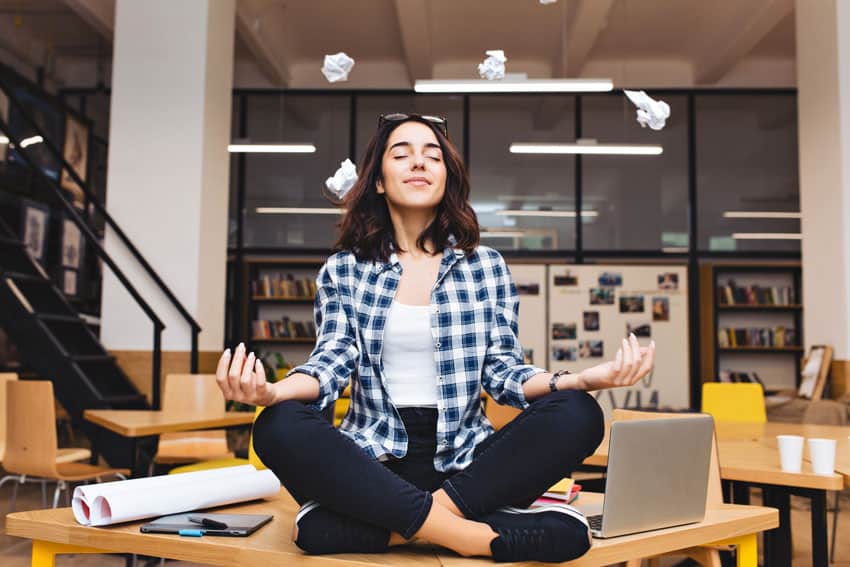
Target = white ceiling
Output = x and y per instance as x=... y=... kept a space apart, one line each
x=651 y=43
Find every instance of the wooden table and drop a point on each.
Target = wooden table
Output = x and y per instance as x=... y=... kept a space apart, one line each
x=56 y=531
x=144 y=427
x=143 y=423
x=749 y=456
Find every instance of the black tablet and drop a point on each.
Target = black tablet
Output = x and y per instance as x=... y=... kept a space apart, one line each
x=200 y=523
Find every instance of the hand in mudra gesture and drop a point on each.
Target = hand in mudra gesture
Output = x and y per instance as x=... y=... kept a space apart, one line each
x=243 y=379
x=632 y=363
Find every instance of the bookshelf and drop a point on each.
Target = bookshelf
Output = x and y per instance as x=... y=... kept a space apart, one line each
x=751 y=322
x=277 y=305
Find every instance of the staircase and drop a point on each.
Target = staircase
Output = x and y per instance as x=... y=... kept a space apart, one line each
x=57 y=344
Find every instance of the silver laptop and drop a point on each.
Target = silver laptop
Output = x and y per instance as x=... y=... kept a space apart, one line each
x=657 y=475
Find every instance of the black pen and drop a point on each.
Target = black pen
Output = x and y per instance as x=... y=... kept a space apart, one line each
x=208 y=522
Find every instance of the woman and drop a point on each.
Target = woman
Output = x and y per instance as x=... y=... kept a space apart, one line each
x=419 y=318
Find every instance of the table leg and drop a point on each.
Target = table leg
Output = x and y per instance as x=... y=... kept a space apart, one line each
x=777 y=542
x=820 y=543
x=741 y=493
x=44 y=552
x=747 y=552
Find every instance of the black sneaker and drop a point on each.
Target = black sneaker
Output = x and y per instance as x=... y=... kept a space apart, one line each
x=551 y=533
x=321 y=531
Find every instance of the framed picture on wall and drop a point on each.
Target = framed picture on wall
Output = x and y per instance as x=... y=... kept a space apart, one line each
x=4 y=116
x=76 y=153
x=69 y=282
x=35 y=217
x=72 y=245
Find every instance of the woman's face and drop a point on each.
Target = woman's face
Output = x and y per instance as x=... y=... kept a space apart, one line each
x=413 y=170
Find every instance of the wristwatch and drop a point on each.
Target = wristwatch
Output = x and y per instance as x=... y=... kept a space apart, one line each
x=553 y=381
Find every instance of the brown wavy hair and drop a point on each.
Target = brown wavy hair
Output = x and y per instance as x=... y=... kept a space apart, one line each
x=366 y=228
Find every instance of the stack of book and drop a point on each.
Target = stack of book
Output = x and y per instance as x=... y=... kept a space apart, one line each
x=731 y=294
x=285 y=285
x=283 y=328
x=756 y=337
x=746 y=377
x=566 y=491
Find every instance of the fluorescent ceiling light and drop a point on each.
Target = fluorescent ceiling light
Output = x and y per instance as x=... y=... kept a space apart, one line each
x=4 y=140
x=531 y=213
x=298 y=211
x=508 y=85
x=760 y=215
x=767 y=236
x=272 y=148
x=587 y=148
x=31 y=140
x=674 y=249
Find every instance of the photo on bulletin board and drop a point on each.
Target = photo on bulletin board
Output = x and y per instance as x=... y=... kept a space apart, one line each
x=610 y=279
x=631 y=304
x=564 y=353
x=567 y=279
x=75 y=152
x=640 y=329
x=601 y=296
x=72 y=245
x=591 y=320
x=4 y=116
x=562 y=331
x=528 y=289
x=668 y=281
x=660 y=308
x=35 y=217
x=591 y=349
x=528 y=356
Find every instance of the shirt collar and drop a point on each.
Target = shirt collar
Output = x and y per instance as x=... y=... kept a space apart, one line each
x=450 y=256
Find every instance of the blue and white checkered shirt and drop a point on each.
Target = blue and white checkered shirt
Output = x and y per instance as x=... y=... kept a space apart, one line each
x=474 y=311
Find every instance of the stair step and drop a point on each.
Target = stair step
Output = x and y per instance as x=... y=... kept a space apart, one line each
x=21 y=277
x=121 y=400
x=91 y=357
x=55 y=317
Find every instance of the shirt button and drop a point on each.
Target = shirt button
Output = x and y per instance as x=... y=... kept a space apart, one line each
x=439 y=378
x=444 y=442
x=438 y=344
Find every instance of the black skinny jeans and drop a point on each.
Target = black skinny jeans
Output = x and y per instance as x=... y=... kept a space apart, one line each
x=512 y=467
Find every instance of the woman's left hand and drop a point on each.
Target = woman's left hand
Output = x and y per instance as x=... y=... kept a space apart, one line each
x=632 y=363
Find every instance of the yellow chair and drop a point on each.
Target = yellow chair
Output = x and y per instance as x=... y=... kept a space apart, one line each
x=192 y=394
x=252 y=459
x=734 y=401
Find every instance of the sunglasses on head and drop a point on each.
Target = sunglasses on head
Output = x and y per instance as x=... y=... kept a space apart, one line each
x=438 y=121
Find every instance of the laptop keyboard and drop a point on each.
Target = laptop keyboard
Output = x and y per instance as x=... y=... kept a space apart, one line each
x=595 y=522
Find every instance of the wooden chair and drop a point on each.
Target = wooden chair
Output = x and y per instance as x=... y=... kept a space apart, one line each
x=252 y=459
x=31 y=447
x=704 y=555
x=192 y=394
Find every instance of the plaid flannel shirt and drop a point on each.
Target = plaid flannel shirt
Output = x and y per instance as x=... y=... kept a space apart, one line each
x=474 y=311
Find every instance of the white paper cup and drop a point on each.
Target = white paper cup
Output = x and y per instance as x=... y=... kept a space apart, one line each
x=790 y=452
x=822 y=452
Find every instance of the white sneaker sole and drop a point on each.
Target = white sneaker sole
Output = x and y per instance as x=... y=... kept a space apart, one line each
x=308 y=507
x=562 y=508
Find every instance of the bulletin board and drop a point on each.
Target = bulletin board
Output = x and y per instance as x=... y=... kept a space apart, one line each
x=591 y=309
x=530 y=281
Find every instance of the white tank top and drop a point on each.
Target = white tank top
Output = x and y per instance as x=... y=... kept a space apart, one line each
x=410 y=372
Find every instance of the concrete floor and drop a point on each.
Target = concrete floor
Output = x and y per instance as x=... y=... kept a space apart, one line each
x=15 y=552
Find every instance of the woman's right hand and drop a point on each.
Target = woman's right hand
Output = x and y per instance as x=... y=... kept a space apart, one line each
x=243 y=379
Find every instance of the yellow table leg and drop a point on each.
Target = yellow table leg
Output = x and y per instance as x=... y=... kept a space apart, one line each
x=747 y=549
x=44 y=552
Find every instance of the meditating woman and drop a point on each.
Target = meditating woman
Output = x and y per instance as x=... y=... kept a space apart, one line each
x=418 y=318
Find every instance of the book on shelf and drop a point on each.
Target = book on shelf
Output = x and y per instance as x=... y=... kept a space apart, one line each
x=776 y=337
x=283 y=285
x=740 y=377
x=284 y=328
x=731 y=294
